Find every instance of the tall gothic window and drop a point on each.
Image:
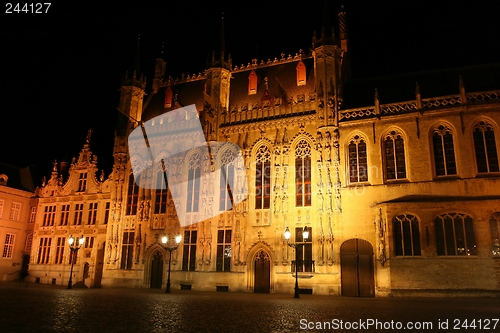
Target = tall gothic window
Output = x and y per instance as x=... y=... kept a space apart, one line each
x=78 y=214
x=132 y=196
x=224 y=252
x=189 y=251
x=226 y=180
x=161 y=192
x=64 y=214
x=495 y=234
x=406 y=235
x=193 y=184
x=304 y=252
x=127 y=250
x=49 y=216
x=82 y=182
x=303 y=174
x=44 y=250
x=444 y=152
x=60 y=250
x=485 y=148
x=106 y=213
x=263 y=178
x=92 y=218
x=394 y=149
x=358 y=165
x=455 y=235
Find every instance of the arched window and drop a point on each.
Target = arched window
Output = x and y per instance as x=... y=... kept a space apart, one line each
x=193 y=184
x=495 y=234
x=444 y=152
x=303 y=174
x=358 y=165
x=226 y=180
x=394 y=149
x=485 y=148
x=406 y=235
x=132 y=196
x=455 y=235
x=263 y=178
x=161 y=192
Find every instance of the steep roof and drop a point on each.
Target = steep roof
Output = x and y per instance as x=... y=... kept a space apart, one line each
x=281 y=81
x=188 y=92
x=18 y=178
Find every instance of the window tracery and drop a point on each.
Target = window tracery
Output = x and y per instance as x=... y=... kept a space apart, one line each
x=485 y=148
x=263 y=178
x=358 y=163
x=444 y=152
x=303 y=174
x=394 y=151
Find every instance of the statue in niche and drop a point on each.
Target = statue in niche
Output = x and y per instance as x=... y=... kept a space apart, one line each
x=328 y=148
x=110 y=249
x=331 y=107
x=140 y=210
x=319 y=147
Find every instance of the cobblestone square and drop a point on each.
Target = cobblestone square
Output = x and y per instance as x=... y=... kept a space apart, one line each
x=46 y=308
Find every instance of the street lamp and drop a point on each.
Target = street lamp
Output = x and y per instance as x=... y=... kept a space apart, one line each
x=164 y=241
x=305 y=235
x=74 y=250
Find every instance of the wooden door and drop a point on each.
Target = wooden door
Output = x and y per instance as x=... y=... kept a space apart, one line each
x=86 y=269
x=99 y=266
x=262 y=273
x=356 y=268
x=156 y=271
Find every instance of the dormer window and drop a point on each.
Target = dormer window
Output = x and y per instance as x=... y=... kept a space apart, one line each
x=168 y=98
x=252 y=83
x=3 y=179
x=82 y=182
x=301 y=74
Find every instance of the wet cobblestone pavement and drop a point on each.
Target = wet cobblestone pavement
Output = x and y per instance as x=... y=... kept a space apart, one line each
x=41 y=308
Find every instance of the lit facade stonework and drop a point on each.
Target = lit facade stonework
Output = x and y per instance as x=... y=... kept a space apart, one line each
x=400 y=197
x=76 y=207
x=17 y=214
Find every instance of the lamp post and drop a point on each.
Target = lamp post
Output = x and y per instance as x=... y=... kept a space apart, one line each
x=164 y=241
x=305 y=235
x=74 y=250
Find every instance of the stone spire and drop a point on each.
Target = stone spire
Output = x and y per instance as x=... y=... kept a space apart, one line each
x=219 y=54
x=327 y=32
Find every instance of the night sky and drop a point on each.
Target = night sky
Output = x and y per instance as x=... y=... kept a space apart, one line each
x=61 y=71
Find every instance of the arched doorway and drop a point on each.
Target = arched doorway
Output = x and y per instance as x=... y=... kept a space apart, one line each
x=99 y=265
x=262 y=272
x=25 y=266
x=356 y=268
x=86 y=274
x=156 y=270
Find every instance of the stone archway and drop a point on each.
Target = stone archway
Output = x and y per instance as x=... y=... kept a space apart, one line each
x=99 y=266
x=357 y=268
x=154 y=252
x=262 y=272
x=259 y=258
x=156 y=271
x=86 y=272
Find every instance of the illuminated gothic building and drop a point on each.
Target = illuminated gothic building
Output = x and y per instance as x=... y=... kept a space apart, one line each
x=397 y=183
